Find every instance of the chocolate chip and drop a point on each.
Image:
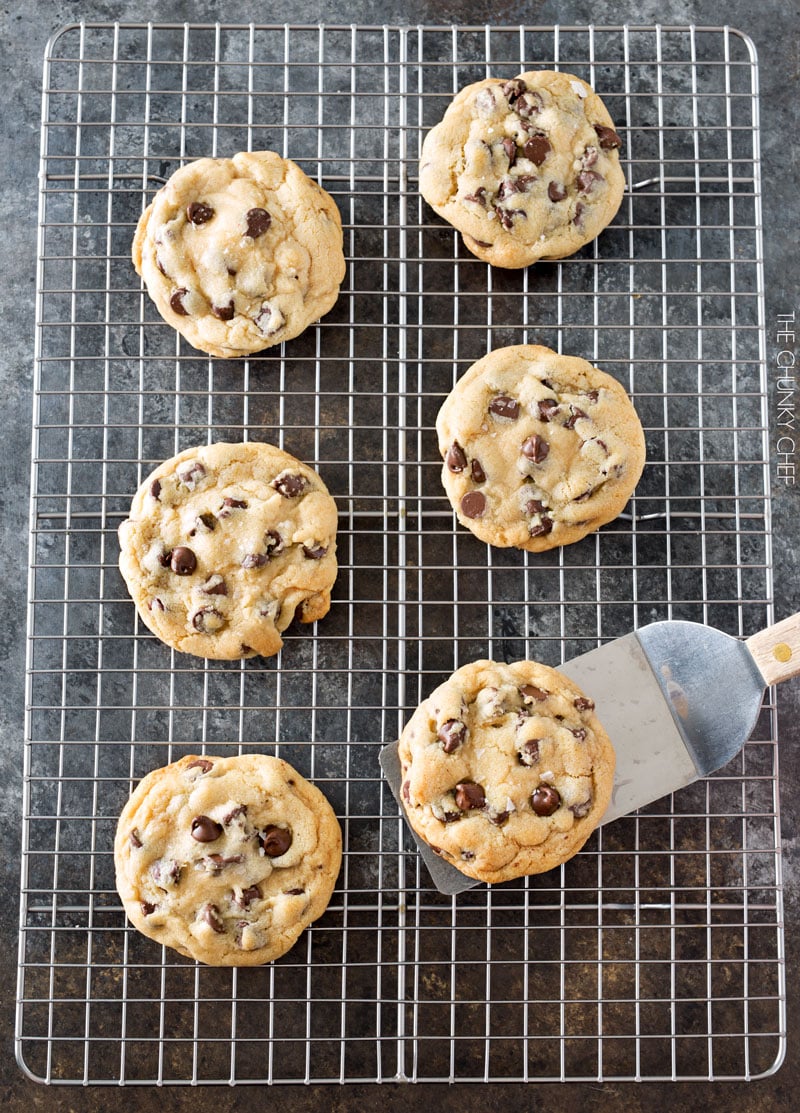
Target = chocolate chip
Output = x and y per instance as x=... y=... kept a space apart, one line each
x=499 y=818
x=480 y=243
x=147 y=908
x=503 y=405
x=202 y=764
x=161 y=266
x=545 y=800
x=205 y=521
x=575 y=414
x=289 y=485
x=215 y=585
x=182 y=561
x=609 y=140
x=251 y=893
x=578 y=217
x=537 y=148
x=155 y=489
x=473 y=504
x=275 y=841
x=293 y=892
x=579 y=732
x=448 y=817
x=212 y=917
x=544 y=527
x=208 y=620
x=456 y=458
x=133 y=838
x=536 y=448
x=258 y=221
x=156 y=605
x=176 y=302
x=593 y=395
x=224 y=312
x=478 y=197
x=190 y=473
x=240 y=809
x=510 y=148
x=506 y=216
x=467 y=855
x=531 y=692
x=405 y=791
x=198 y=213
x=215 y=863
x=229 y=504
x=582 y=809
x=254 y=560
x=165 y=558
x=166 y=872
x=590 y=157
x=205 y=829
x=547 y=407
x=477 y=472
x=469 y=797
x=535 y=506
x=529 y=754
x=262 y=319
x=583 y=703
x=231 y=272
x=556 y=192
x=317 y=552
x=587 y=179
x=514 y=89
x=452 y=733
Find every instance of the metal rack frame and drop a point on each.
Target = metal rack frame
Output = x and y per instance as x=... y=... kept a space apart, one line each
x=657 y=953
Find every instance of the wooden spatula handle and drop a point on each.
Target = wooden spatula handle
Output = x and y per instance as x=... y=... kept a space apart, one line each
x=776 y=650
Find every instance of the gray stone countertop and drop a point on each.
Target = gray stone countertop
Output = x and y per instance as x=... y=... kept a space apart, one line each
x=25 y=27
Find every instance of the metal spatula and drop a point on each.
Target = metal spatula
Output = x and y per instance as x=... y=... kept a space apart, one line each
x=678 y=701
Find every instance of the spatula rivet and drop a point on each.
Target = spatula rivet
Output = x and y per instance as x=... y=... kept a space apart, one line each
x=782 y=652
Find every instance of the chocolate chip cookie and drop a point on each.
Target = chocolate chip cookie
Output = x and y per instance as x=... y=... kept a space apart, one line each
x=506 y=770
x=525 y=169
x=240 y=253
x=539 y=449
x=226 y=860
x=225 y=544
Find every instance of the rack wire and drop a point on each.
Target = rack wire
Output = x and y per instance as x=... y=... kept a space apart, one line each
x=657 y=953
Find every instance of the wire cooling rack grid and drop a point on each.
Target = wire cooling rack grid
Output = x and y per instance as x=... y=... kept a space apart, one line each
x=656 y=952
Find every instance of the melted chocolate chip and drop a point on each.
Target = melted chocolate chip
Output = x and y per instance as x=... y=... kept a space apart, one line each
x=478 y=197
x=579 y=211
x=473 y=504
x=609 y=140
x=547 y=407
x=590 y=157
x=212 y=917
x=208 y=620
x=206 y=522
x=469 y=797
x=198 y=213
x=477 y=472
x=205 y=829
x=275 y=841
x=155 y=489
x=467 y=855
x=587 y=179
x=289 y=485
x=536 y=448
x=254 y=560
x=503 y=405
x=166 y=872
x=317 y=552
x=529 y=754
x=203 y=764
x=176 y=302
x=544 y=527
x=262 y=318
x=556 y=192
x=579 y=732
x=575 y=414
x=234 y=813
x=499 y=818
x=582 y=809
x=593 y=395
x=535 y=506
x=182 y=561
x=510 y=148
x=215 y=863
x=456 y=458
x=215 y=585
x=583 y=703
x=537 y=148
x=161 y=266
x=545 y=800
x=452 y=733
x=156 y=605
x=293 y=892
x=190 y=473
x=224 y=312
x=251 y=893
x=228 y=505
x=147 y=908
x=531 y=692
x=405 y=792
x=133 y=838
x=258 y=221
x=514 y=89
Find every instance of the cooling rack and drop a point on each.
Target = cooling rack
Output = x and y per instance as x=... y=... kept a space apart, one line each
x=657 y=953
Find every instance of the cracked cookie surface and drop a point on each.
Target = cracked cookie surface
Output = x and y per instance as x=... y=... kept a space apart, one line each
x=225 y=544
x=525 y=169
x=227 y=860
x=539 y=449
x=506 y=770
x=242 y=253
